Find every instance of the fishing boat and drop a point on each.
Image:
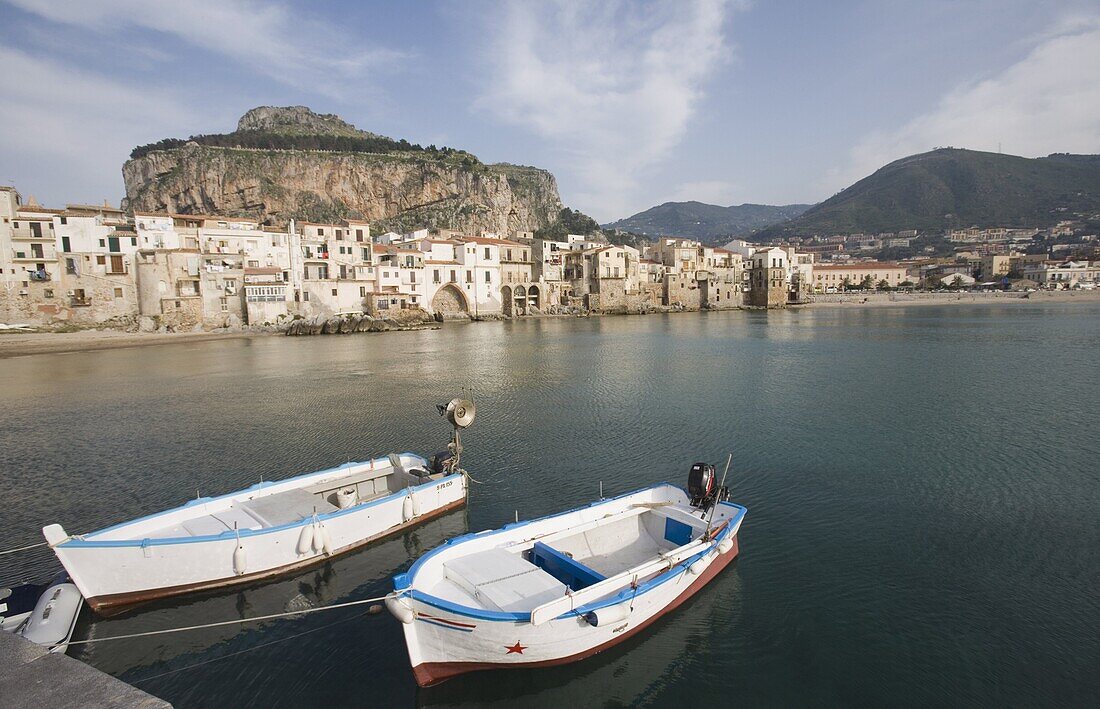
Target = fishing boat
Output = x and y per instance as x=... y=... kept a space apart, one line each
x=562 y=588
x=265 y=530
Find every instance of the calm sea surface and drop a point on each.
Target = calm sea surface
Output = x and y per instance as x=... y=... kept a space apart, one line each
x=922 y=485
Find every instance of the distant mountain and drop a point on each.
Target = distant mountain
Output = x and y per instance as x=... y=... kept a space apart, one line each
x=707 y=222
x=953 y=188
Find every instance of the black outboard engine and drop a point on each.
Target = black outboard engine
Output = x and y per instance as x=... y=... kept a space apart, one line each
x=703 y=486
x=441 y=463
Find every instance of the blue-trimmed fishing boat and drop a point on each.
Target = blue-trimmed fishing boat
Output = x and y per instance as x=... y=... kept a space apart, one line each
x=267 y=529
x=562 y=588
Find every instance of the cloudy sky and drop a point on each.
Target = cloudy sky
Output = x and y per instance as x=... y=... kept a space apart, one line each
x=629 y=103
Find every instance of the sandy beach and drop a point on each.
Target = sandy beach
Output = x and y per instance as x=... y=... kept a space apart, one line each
x=888 y=300
x=18 y=344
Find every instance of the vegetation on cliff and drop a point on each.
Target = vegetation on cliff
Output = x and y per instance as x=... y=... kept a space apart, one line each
x=290 y=163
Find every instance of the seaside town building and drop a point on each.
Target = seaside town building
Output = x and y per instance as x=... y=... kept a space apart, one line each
x=832 y=278
x=89 y=264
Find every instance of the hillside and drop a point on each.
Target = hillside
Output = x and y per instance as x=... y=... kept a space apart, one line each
x=953 y=188
x=292 y=163
x=706 y=222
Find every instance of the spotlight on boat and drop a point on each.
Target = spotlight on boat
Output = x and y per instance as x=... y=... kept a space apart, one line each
x=460 y=413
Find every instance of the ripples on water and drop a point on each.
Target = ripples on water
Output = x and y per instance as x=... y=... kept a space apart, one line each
x=921 y=484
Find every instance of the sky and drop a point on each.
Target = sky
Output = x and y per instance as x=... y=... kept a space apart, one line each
x=629 y=104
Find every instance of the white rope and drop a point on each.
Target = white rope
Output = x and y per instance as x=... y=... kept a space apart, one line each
x=30 y=546
x=232 y=622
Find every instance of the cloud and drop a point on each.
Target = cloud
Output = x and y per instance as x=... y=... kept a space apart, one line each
x=1047 y=102
x=271 y=38
x=718 y=192
x=64 y=132
x=611 y=86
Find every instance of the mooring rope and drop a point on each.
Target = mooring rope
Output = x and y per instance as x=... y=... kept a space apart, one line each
x=286 y=614
x=29 y=546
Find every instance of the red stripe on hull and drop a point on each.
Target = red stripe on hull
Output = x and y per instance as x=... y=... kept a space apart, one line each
x=114 y=604
x=429 y=673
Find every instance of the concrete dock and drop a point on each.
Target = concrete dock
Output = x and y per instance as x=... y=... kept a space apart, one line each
x=30 y=676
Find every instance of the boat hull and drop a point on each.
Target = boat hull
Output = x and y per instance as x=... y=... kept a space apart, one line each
x=435 y=653
x=113 y=576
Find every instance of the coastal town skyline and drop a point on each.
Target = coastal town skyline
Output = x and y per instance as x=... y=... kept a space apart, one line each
x=736 y=134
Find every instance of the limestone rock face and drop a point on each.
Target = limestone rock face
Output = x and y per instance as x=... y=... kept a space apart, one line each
x=398 y=191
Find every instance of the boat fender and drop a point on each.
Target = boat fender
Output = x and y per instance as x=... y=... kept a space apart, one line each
x=240 y=563
x=305 y=540
x=726 y=544
x=608 y=615
x=318 y=541
x=326 y=539
x=698 y=566
x=415 y=505
x=399 y=610
x=407 y=508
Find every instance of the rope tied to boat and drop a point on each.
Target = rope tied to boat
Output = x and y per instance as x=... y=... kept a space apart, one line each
x=18 y=549
x=271 y=616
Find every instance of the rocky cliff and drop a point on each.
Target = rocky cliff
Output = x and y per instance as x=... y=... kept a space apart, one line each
x=396 y=186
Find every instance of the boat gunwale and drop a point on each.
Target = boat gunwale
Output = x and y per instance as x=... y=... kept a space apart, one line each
x=403 y=582
x=83 y=542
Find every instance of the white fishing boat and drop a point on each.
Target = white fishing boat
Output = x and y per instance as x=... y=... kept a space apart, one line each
x=266 y=529
x=562 y=588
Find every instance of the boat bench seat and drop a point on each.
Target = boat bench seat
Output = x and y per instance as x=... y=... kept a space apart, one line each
x=564 y=567
x=286 y=507
x=501 y=580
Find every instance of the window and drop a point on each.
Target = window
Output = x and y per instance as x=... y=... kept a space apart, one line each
x=334 y=291
x=362 y=291
x=133 y=241
x=508 y=255
x=453 y=279
x=48 y=293
x=101 y=260
x=116 y=264
x=366 y=255
x=224 y=302
x=305 y=296
x=320 y=231
x=64 y=220
x=340 y=235
x=102 y=243
x=488 y=277
x=36 y=230
x=70 y=266
x=65 y=246
x=358 y=234
x=118 y=293
x=469 y=276
x=487 y=253
x=435 y=276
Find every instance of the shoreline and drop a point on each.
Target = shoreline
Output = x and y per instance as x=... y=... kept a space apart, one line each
x=22 y=344
x=893 y=300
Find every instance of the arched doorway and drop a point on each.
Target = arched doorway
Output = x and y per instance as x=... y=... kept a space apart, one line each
x=520 y=300
x=506 y=300
x=534 y=299
x=450 y=302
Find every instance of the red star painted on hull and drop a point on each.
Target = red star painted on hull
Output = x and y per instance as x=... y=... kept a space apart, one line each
x=517 y=648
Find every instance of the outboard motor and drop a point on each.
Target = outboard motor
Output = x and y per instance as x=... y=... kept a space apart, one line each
x=703 y=486
x=441 y=463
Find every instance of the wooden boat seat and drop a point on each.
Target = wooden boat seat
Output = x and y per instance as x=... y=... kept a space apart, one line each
x=501 y=580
